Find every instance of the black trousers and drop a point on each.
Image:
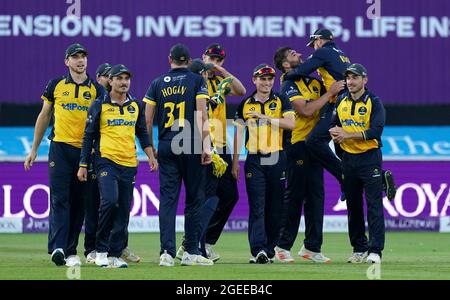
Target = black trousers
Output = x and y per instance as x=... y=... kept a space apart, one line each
x=66 y=198
x=305 y=187
x=362 y=173
x=116 y=184
x=318 y=140
x=172 y=169
x=227 y=192
x=92 y=206
x=265 y=189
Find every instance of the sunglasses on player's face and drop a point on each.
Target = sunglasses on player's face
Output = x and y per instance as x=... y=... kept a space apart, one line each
x=264 y=71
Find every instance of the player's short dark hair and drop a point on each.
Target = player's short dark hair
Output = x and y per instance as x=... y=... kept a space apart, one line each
x=280 y=57
x=180 y=63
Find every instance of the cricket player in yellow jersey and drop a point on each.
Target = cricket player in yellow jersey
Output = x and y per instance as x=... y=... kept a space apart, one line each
x=305 y=186
x=222 y=193
x=114 y=121
x=67 y=98
x=357 y=126
x=264 y=115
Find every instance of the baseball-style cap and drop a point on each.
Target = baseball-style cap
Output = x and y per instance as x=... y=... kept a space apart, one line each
x=74 y=49
x=263 y=70
x=198 y=66
x=103 y=70
x=118 y=70
x=180 y=52
x=215 y=50
x=319 y=34
x=356 y=69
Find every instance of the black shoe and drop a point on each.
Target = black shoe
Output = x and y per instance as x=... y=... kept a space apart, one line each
x=389 y=185
x=262 y=258
x=58 y=257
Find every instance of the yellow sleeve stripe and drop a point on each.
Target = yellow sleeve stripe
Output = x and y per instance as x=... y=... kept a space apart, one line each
x=149 y=101
x=201 y=96
x=289 y=112
x=83 y=165
x=296 y=98
x=46 y=100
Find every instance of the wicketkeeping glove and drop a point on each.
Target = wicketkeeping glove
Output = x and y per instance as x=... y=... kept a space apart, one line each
x=224 y=86
x=223 y=89
x=219 y=165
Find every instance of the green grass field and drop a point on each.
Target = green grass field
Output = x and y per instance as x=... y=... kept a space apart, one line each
x=406 y=256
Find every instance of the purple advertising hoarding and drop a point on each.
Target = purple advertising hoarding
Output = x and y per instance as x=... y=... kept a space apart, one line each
x=404 y=46
x=423 y=195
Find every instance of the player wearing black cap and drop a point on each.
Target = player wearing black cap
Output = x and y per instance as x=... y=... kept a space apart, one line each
x=101 y=74
x=93 y=196
x=264 y=115
x=223 y=195
x=68 y=98
x=330 y=63
x=215 y=170
x=180 y=97
x=114 y=121
x=357 y=126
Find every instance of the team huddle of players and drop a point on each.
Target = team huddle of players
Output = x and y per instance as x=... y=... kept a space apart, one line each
x=287 y=134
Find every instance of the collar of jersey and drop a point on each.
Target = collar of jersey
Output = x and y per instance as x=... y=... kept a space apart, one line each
x=329 y=44
x=87 y=82
x=108 y=99
x=252 y=99
x=181 y=69
x=363 y=97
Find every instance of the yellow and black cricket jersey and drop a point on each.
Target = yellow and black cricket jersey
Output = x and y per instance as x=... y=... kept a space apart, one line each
x=307 y=89
x=113 y=129
x=365 y=115
x=217 y=116
x=175 y=94
x=71 y=102
x=261 y=135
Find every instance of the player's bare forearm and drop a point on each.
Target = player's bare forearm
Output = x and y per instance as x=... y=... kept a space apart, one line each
x=308 y=108
x=339 y=134
x=42 y=122
x=149 y=115
x=238 y=134
x=203 y=123
x=237 y=88
x=286 y=122
x=151 y=158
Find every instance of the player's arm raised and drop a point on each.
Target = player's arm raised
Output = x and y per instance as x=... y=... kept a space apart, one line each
x=237 y=88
